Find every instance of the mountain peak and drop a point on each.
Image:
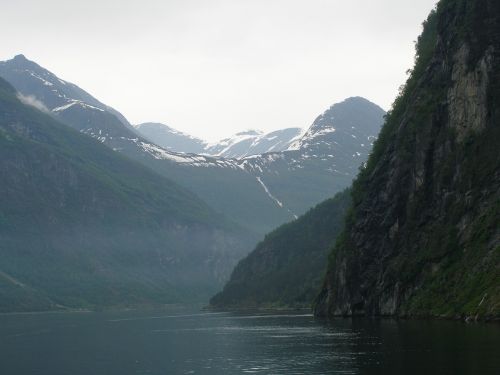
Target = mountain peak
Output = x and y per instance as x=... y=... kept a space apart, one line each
x=20 y=57
x=21 y=61
x=30 y=78
x=354 y=117
x=358 y=99
x=352 y=101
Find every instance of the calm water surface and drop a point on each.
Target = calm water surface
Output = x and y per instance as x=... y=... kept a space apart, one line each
x=190 y=341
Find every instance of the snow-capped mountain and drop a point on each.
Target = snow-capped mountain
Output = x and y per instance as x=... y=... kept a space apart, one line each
x=250 y=142
x=55 y=93
x=324 y=160
x=345 y=126
x=220 y=182
x=269 y=178
x=80 y=110
x=253 y=142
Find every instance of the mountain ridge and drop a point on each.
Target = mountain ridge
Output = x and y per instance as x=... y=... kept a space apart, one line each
x=83 y=226
x=259 y=192
x=61 y=92
x=238 y=146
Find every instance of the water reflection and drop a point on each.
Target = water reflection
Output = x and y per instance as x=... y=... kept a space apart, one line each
x=180 y=341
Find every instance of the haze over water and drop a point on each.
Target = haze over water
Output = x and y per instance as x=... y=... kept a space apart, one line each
x=189 y=341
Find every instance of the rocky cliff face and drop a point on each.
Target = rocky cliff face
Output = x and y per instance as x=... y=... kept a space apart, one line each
x=423 y=237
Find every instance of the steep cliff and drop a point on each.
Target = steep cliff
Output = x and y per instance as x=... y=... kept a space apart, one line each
x=423 y=237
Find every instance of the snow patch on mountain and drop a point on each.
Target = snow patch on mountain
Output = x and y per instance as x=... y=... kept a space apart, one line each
x=276 y=200
x=268 y=192
x=238 y=146
x=253 y=142
x=195 y=160
x=64 y=107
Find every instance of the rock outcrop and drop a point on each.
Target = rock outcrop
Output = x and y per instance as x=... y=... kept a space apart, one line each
x=423 y=237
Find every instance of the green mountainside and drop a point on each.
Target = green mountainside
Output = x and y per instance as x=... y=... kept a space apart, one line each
x=258 y=192
x=423 y=237
x=82 y=226
x=218 y=182
x=287 y=268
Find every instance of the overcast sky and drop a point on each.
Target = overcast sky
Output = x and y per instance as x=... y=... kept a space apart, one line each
x=215 y=67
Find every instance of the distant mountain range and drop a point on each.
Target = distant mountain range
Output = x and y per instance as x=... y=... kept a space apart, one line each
x=171 y=139
x=254 y=142
x=306 y=168
x=260 y=191
x=240 y=145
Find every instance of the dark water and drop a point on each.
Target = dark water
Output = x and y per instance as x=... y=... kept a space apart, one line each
x=182 y=341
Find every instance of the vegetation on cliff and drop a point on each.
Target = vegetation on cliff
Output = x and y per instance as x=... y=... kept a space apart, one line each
x=423 y=236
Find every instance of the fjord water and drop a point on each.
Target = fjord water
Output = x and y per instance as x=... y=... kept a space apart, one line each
x=190 y=341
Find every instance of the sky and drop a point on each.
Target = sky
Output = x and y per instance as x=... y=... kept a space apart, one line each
x=212 y=68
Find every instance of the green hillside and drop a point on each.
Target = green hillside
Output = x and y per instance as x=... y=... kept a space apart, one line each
x=82 y=226
x=287 y=268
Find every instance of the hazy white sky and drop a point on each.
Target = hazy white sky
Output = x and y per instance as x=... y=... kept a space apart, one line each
x=215 y=67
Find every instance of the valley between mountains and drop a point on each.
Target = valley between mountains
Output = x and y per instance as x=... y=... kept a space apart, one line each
x=359 y=213
x=189 y=210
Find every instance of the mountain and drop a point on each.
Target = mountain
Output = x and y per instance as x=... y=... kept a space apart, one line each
x=258 y=192
x=171 y=139
x=423 y=235
x=346 y=127
x=219 y=182
x=240 y=145
x=286 y=269
x=264 y=191
x=51 y=91
x=305 y=169
x=253 y=142
x=83 y=226
x=325 y=160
